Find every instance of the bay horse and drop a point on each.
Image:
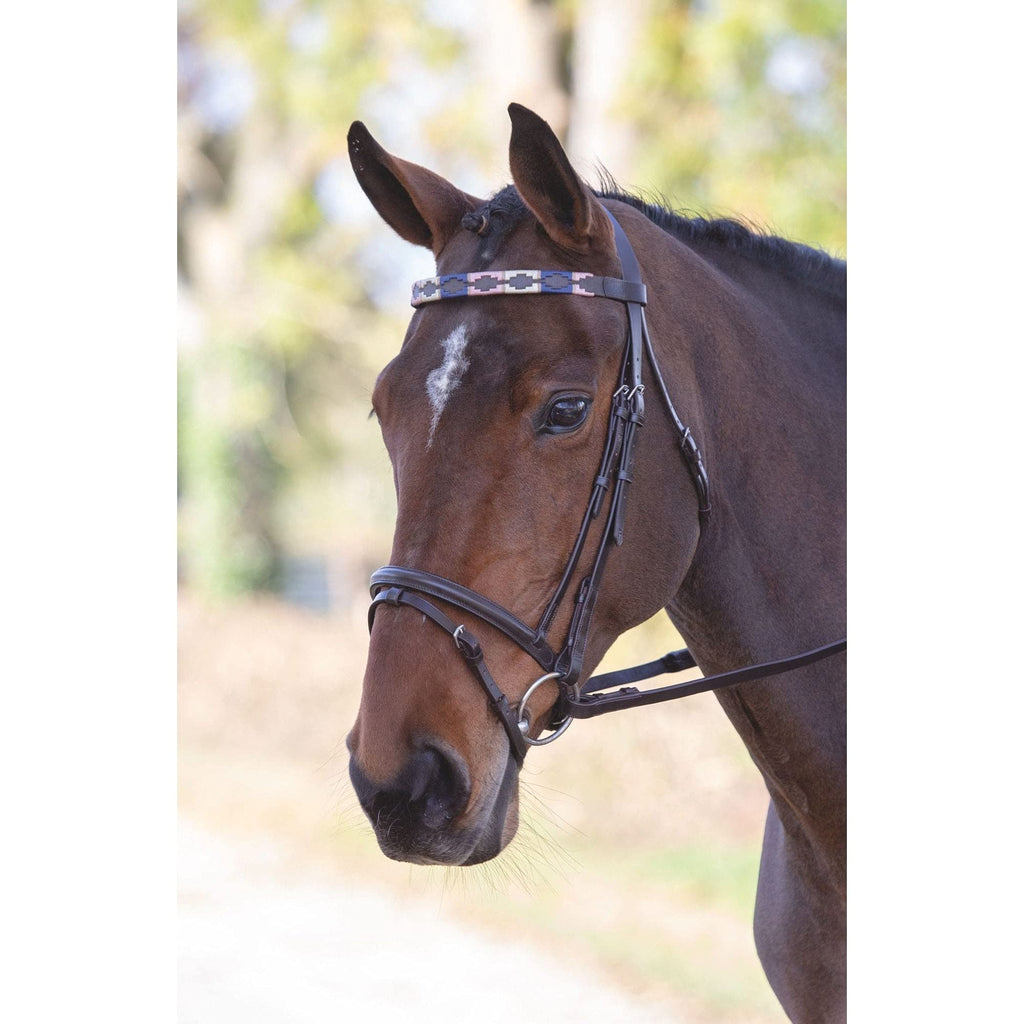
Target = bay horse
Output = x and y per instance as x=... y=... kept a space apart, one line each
x=515 y=397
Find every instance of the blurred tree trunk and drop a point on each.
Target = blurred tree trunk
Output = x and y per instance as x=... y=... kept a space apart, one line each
x=232 y=194
x=523 y=61
x=606 y=44
x=571 y=64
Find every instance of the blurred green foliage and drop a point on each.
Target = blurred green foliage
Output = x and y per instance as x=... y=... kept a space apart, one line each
x=743 y=109
x=722 y=876
x=287 y=315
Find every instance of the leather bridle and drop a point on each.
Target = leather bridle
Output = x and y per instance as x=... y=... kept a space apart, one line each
x=400 y=586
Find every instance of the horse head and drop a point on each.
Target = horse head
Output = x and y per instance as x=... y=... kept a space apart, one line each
x=495 y=415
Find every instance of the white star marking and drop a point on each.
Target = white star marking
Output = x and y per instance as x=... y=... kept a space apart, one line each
x=442 y=382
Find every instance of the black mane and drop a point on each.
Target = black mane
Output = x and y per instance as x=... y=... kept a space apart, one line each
x=814 y=266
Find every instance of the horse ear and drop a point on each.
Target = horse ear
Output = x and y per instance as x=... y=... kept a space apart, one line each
x=420 y=205
x=566 y=208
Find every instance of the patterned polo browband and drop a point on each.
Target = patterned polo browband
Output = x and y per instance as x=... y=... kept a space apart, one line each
x=526 y=282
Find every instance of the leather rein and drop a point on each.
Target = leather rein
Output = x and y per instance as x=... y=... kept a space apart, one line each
x=399 y=586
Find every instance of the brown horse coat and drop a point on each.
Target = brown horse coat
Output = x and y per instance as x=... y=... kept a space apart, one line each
x=750 y=333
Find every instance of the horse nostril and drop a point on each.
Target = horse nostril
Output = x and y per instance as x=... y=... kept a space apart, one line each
x=420 y=772
x=437 y=787
x=430 y=792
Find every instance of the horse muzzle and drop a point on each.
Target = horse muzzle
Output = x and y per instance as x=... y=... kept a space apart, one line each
x=420 y=816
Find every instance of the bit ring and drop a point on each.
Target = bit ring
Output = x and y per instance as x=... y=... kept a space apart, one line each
x=523 y=722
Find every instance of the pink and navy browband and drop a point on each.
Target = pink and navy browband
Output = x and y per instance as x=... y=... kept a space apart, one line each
x=526 y=282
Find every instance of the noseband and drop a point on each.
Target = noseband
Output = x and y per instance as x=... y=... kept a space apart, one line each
x=397 y=586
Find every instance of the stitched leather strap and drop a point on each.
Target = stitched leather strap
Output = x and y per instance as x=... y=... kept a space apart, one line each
x=590 y=706
x=674 y=661
x=469 y=601
x=527 y=282
x=469 y=648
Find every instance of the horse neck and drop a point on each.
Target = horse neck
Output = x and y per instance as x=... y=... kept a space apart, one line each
x=769 y=362
x=767 y=354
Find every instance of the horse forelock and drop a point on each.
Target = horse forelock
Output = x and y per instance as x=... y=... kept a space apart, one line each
x=494 y=221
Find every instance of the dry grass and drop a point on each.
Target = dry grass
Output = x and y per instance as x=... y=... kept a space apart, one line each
x=641 y=831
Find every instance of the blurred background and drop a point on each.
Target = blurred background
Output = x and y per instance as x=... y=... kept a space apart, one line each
x=641 y=839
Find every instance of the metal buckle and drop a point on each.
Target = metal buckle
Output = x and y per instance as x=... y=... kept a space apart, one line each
x=466 y=644
x=523 y=722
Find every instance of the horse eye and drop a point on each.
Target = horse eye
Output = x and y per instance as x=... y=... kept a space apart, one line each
x=566 y=413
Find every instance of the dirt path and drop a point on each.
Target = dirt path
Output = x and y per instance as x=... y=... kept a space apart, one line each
x=637 y=853
x=262 y=942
